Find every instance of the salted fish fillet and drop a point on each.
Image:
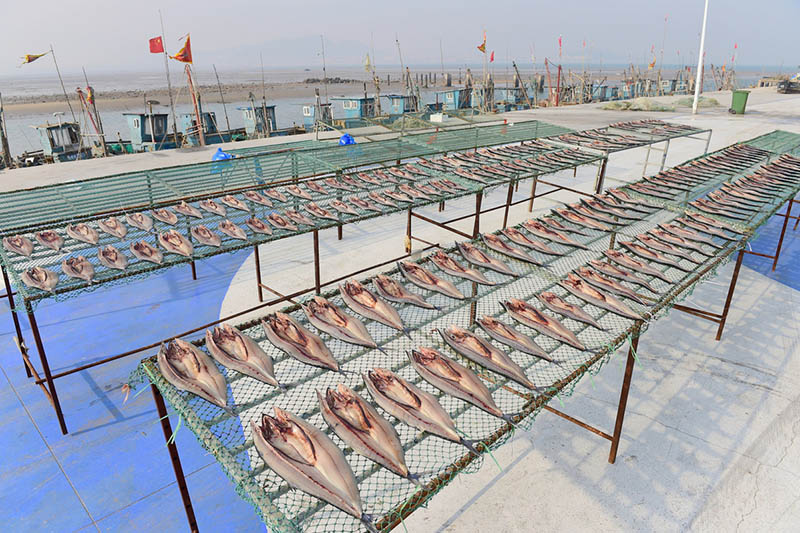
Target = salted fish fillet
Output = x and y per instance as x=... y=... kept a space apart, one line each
x=712 y=222
x=319 y=212
x=50 y=239
x=166 y=215
x=646 y=253
x=287 y=334
x=533 y=318
x=258 y=226
x=205 y=236
x=234 y=203
x=113 y=227
x=499 y=245
x=191 y=211
x=600 y=282
x=139 y=220
x=502 y=332
x=316 y=187
x=144 y=252
x=280 y=223
x=410 y=404
x=365 y=303
x=298 y=218
x=523 y=240
x=360 y=426
x=452 y=267
x=365 y=204
x=586 y=292
x=425 y=279
x=553 y=224
x=19 y=244
x=257 y=197
x=189 y=369
x=558 y=305
x=634 y=264
x=275 y=194
x=688 y=235
x=663 y=247
x=399 y=196
x=294 y=190
x=237 y=351
x=325 y=316
x=674 y=240
x=232 y=230
x=308 y=460
x=40 y=278
x=482 y=352
x=454 y=379
x=477 y=257
x=78 y=267
x=112 y=258
x=174 y=242
x=82 y=232
x=394 y=291
x=615 y=272
x=581 y=220
x=381 y=199
x=540 y=230
x=343 y=207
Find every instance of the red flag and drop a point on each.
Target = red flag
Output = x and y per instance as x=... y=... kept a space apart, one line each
x=735 y=46
x=584 y=43
x=184 y=55
x=491 y=57
x=156 y=45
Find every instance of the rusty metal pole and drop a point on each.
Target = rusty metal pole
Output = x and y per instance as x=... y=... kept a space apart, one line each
x=477 y=227
x=408 y=233
x=15 y=318
x=161 y=409
x=601 y=176
x=258 y=273
x=783 y=232
x=533 y=193
x=729 y=298
x=194 y=271
x=317 y=283
x=46 y=369
x=623 y=400
x=508 y=203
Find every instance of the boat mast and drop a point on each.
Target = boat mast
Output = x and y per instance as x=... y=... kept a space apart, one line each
x=222 y=98
x=169 y=82
x=52 y=53
x=324 y=69
x=6 y=152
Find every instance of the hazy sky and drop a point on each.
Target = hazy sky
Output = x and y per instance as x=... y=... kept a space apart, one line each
x=109 y=36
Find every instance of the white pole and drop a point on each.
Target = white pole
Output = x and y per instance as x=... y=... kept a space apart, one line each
x=700 y=62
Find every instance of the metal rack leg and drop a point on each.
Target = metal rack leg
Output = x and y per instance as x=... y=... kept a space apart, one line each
x=533 y=193
x=408 y=233
x=508 y=203
x=194 y=271
x=15 y=318
x=601 y=177
x=175 y=458
x=623 y=401
x=51 y=386
x=258 y=273
x=477 y=227
x=783 y=232
x=316 y=262
x=729 y=298
x=664 y=156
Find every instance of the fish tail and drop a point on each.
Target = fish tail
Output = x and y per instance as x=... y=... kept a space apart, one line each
x=283 y=386
x=367 y=519
x=407 y=332
x=344 y=372
x=414 y=478
x=470 y=444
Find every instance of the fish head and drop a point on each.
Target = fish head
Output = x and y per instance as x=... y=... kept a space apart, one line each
x=394 y=388
x=231 y=341
x=38 y=274
x=455 y=333
x=388 y=285
x=348 y=407
x=285 y=326
x=287 y=437
x=357 y=292
x=181 y=357
x=435 y=362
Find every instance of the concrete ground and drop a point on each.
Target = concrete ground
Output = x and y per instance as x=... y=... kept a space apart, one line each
x=709 y=438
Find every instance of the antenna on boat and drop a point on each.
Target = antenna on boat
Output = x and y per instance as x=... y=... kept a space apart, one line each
x=441 y=59
x=169 y=82
x=222 y=98
x=324 y=69
x=52 y=53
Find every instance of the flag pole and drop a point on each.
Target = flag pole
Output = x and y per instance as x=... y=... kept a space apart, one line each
x=169 y=82
x=64 y=89
x=699 y=82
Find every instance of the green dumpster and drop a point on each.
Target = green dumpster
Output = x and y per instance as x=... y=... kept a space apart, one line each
x=739 y=102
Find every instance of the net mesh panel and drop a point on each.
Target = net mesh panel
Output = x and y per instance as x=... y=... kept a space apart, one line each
x=297 y=145
x=385 y=495
x=778 y=141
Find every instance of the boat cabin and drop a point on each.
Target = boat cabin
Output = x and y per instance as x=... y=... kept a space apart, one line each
x=357 y=107
x=399 y=104
x=149 y=131
x=453 y=99
x=259 y=121
x=310 y=112
x=62 y=142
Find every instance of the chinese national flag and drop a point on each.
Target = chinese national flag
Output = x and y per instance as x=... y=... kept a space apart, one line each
x=491 y=57
x=184 y=55
x=156 y=45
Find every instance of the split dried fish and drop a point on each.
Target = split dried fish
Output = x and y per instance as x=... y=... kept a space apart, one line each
x=275 y=194
x=174 y=242
x=394 y=291
x=586 y=292
x=593 y=278
x=381 y=199
x=19 y=244
x=294 y=190
x=326 y=317
x=482 y=352
x=540 y=230
x=477 y=257
x=50 y=239
x=212 y=207
x=615 y=272
x=426 y=280
x=205 y=236
x=82 y=232
x=257 y=197
x=452 y=267
x=280 y=223
x=258 y=226
x=139 y=220
x=320 y=212
x=499 y=245
x=528 y=315
x=239 y=352
x=360 y=426
x=663 y=247
x=112 y=258
x=581 y=220
x=365 y=303
x=298 y=218
x=313 y=186
x=165 y=215
x=189 y=369
x=234 y=203
x=308 y=460
x=646 y=253
x=143 y=251
x=523 y=240
x=399 y=196
x=343 y=207
x=502 y=332
x=40 y=278
x=232 y=230
x=113 y=227
x=189 y=210
x=78 y=267
x=454 y=379
x=287 y=334
x=365 y=204
x=634 y=264
x=558 y=305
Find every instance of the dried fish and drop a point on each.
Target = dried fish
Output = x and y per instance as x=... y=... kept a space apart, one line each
x=232 y=230
x=78 y=267
x=165 y=215
x=397 y=195
x=482 y=352
x=287 y=334
x=139 y=220
x=540 y=230
x=554 y=224
x=40 y=278
x=205 y=236
x=212 y=207
x=313 y=186
x=615 y=272
x=381 y=199
x=671 y=238
x=239 y=352
x=298 y=218
x=663 y=247
x=520 y=238
x=581 y=220
x=234 y=203
x=365 y=303
x=113 y=227
x=426 y=280
x=646 y=253
x=558 y=305
x=343 y=207
x=454 y=379
x=634 y=264
x=294 y=190
x=190 y=211
x=257 y=197
x=189 y=369
x=477 y=257
x=360 y=426
x=174 y=242
x=413 y=192
x=363 y=203
x=50 y=239
x=586 y=292
x=258 y=226
x=326 y=317
x=530 y=316
x=452 y=267
x=112 y=258
x=82 y=232
x=499 y=245
x=280 y=223
x=502 y=332
x=320 y=212
x=19 y=244
x=143 y=251
x=600 y=282
x=394 y=291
